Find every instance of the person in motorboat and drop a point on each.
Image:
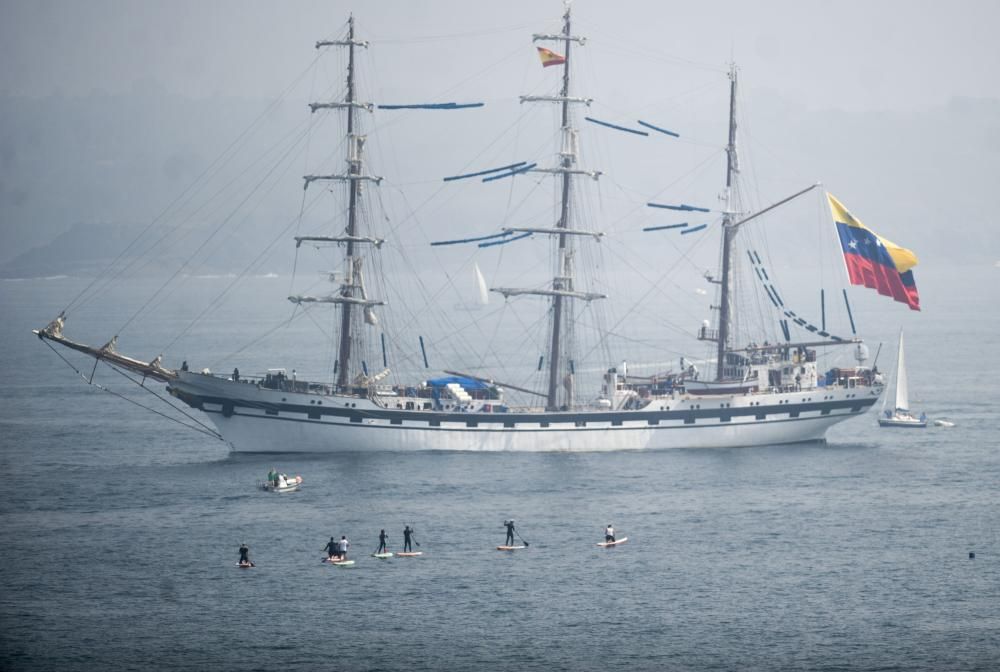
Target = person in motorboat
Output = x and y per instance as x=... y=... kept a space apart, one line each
x=381 y=542
x=272 y=476
x=281 y=481
x=331 y=549
x=509 y=524
x=609 y=534
x=407 y=534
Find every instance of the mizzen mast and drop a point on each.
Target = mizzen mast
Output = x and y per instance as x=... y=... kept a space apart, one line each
x=728 y=235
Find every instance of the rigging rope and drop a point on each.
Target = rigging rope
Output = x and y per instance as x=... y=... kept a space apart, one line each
x=207 y=431
x=165 y=400
x=220 y=160
x=214 y=233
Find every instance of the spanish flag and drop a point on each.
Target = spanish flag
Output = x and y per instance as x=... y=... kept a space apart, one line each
x=874 y=261
x=550 y=57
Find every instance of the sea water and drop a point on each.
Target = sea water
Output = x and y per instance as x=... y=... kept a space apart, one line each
x=121 y=529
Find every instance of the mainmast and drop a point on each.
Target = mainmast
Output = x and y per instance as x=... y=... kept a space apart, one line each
x=562 y=281
x=728 y=233
x=352 y=290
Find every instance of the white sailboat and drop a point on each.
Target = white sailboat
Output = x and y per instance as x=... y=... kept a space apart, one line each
x=482 y=292
x=764 y=391
x=900 y=415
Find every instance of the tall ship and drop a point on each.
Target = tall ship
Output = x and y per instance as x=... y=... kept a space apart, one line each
x=751 y=392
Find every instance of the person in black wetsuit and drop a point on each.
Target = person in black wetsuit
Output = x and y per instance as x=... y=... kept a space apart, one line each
x=244 y=555
x=407 y=534
x=509 y=524
x=331 y=549
x=381 y=542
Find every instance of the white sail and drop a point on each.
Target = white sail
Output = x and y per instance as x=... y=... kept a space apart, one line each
x=902 y=396
x=484 y=292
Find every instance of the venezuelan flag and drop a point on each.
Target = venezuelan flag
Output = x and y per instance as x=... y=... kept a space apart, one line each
x=874 y=261
x=550 y=57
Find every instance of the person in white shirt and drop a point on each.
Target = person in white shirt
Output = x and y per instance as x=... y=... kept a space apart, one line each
x=609 y=534
x=344 y=544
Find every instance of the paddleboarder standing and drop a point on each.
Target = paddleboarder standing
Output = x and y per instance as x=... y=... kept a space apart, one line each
x=609 y=534
x=407 y=534
x=331 y=549
x=244 y=555
x=509 y=524
x=343 y=546
x=381 y=542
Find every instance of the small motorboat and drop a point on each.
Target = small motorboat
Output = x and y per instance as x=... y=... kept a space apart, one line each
x=283 y=483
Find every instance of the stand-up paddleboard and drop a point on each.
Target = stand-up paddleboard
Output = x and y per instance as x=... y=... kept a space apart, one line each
x=382 y=556
x=616 y=542
x=339 y=563
x=510 y=548
x=245 y=566
x=409 y=554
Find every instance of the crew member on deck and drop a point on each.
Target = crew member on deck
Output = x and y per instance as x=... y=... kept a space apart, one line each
x=407 y=534
x=381 y=542
x=609 y=534
x=509 y=524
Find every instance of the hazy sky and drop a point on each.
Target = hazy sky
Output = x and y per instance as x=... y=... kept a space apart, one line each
x=111 y=107
x=851 y=54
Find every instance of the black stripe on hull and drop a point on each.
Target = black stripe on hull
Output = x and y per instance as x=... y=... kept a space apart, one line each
x=536 y=421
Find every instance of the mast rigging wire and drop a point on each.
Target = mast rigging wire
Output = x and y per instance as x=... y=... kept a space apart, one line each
x=218 y=162
x=206 y=430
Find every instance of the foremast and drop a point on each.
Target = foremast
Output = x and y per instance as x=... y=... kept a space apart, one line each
x=352 y=290
x=563 y=286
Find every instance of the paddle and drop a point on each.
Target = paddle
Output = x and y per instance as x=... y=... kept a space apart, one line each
x=526 y=544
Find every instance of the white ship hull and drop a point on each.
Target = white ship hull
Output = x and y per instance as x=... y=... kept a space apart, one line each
x=253 y=419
